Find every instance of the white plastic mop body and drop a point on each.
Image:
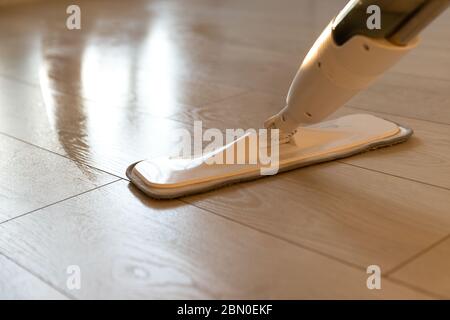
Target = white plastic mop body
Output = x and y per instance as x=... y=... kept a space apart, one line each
x=336 y=68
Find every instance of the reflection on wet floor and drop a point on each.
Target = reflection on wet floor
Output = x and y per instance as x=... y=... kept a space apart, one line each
x=106 y=90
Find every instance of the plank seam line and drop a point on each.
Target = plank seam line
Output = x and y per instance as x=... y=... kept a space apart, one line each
x=417 y=255
x=393 y=175
x=60 y=155
x=38 y=277
x=59 y=201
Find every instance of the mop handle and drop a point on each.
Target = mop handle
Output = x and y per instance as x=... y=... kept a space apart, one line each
x=348 y=56
x=402 y=20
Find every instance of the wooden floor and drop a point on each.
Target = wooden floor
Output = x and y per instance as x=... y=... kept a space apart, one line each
x=77 y=107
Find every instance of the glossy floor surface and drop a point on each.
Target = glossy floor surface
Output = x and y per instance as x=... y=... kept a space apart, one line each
x=77 y=107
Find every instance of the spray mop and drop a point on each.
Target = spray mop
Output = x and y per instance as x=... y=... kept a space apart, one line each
x=346 y=58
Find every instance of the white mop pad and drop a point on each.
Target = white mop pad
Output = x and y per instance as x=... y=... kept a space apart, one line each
x=166 y=177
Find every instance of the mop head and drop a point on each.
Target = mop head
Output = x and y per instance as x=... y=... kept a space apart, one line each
x=167 y=178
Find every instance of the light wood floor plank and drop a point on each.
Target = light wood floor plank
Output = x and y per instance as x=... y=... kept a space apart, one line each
x=436 y=35
x=431 y=62
x=429 y=270
x=31 y=178
x=130 y=247
x=17 y=283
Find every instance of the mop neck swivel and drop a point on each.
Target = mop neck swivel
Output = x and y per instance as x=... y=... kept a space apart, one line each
x=287 y=127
